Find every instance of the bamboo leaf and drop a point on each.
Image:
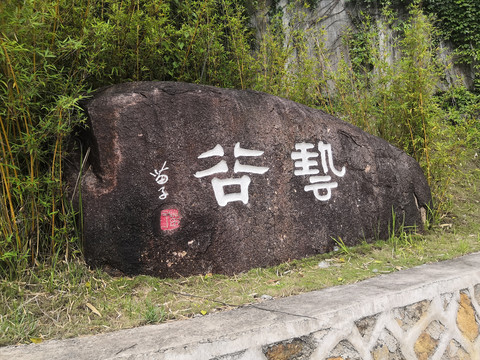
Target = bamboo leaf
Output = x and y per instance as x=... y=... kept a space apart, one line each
x=36 y=340
x=94 y=309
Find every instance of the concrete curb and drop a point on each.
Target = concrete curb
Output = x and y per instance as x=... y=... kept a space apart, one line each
x=316 y=325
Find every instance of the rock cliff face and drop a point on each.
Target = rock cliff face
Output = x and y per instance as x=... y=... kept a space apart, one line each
x=187 y=179
x=335 y=18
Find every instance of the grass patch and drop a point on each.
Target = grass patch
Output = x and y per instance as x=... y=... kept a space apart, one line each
x=71 y=300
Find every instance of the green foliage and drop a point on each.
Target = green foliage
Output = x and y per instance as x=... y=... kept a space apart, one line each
x=388 y=95
x=290 y=61
x=398 y=98
x=153 y=314
x=393 y=96
x=39 y=98
x=458 y=20
x=342 y=248
x=194 y=41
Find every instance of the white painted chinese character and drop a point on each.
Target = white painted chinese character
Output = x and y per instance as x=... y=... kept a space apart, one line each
x=319 y=185
x=220 y=184
x=161 y=179
x=304 y=162
x=326 y=149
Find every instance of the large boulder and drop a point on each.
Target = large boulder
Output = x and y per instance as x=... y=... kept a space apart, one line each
x=186 y=179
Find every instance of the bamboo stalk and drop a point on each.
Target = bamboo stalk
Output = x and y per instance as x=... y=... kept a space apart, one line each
x=425 y=140
x=193 y=38
x=54 y=31
x=12 y=209
x=26 y=116
x=56 y=151
x=5 y=197
x=410 y=128
x=240 y=66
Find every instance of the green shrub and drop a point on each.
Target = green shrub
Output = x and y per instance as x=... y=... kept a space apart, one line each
x=394 y=97
x=288 y=60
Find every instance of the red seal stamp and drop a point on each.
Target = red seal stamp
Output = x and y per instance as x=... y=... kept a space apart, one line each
x=169 y=219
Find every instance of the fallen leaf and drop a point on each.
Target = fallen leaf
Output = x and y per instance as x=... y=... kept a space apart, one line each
x=203 y=312
x=94 y=309
x=36 y=340
x=272 y=281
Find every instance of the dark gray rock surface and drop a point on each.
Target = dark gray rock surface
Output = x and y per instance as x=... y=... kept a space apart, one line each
x=186 y=179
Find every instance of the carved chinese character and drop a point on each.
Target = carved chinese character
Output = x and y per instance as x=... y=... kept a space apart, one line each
x=222 y=167
x=320 y=185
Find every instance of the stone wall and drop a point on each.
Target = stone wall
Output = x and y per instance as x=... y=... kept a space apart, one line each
x=427 y=313
x=443 y=327
x=335 y=17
